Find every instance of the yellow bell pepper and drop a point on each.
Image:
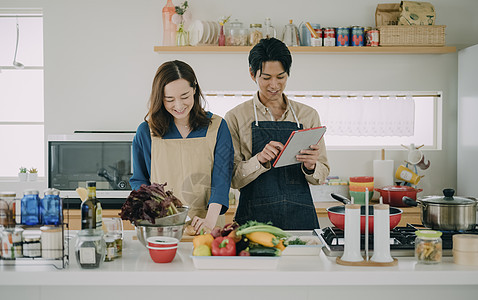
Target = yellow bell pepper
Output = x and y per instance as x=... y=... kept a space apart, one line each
x=202 y=250
x=203 y=239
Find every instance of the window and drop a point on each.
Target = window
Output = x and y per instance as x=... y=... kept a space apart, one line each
x=21 y=92
x=361 y=120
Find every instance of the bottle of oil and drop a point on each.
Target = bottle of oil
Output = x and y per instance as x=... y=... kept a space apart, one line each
x=88 y=207
x=99 y=215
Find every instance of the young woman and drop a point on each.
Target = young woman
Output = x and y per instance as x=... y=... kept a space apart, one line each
x=181 y=144
x=259 y=129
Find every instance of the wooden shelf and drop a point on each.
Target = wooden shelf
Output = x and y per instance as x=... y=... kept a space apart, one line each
x=311 y=50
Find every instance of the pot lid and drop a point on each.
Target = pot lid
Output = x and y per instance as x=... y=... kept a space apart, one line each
x=399 y=188
x=448 y=198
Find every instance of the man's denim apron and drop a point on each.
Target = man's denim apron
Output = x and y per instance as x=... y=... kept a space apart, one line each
x=280 y=195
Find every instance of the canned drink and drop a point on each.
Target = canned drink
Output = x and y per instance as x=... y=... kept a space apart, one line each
x=317 y=42
x=342 y=39
x=12 y=243
x=373 y=38
x=329 y=37
x=357 y=39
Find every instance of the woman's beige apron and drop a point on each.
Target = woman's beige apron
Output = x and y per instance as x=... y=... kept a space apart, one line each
x=186 y=166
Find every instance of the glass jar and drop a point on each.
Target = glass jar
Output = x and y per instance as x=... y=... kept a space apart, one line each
x=51 y=242
x=7 y=208
x=268 y=30
x=428 y=246
x=51 y=210
x=30 y=207
x=255 y=34
x=236 y=34
x=90 y=248
x=110 y=247
x=11 y=242
x=31 y=244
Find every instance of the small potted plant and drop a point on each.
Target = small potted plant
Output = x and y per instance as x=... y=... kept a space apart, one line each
x=22 y=174
x=32 y=174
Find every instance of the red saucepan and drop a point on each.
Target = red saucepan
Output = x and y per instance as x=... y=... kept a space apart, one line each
x=393 y=194
x=337 y=215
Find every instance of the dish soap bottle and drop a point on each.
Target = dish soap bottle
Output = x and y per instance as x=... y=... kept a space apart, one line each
x=169 y=28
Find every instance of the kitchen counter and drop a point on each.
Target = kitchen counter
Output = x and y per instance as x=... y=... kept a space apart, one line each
x=136 y=276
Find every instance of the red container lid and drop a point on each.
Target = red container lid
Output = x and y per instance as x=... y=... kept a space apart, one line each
x=399 y=188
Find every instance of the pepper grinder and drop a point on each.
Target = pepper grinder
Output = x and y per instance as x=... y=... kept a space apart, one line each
x=352 y=233
x=381 y=233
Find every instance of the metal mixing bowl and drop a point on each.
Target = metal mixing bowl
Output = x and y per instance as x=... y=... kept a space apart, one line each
x=179 y=218
x=143 y=232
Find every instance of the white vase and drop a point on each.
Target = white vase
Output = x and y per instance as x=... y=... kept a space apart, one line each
x=22 y=176
x=32 y=176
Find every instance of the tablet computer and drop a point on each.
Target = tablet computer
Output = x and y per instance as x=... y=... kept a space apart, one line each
x=298 y=140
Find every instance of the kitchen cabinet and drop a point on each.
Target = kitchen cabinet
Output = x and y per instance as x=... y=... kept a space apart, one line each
x=310 y=50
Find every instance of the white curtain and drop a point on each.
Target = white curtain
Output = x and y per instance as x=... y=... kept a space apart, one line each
x=377 y=114
x=363 y=115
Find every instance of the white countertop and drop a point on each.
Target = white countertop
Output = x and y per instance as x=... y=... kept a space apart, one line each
x=136 y=269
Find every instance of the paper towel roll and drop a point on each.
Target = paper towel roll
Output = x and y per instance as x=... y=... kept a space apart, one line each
x=383 y=173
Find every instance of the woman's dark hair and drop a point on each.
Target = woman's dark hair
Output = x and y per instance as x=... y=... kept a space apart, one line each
x=158 y=118
x=270 y=49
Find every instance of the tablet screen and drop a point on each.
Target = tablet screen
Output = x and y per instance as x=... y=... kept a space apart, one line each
x=298 y=140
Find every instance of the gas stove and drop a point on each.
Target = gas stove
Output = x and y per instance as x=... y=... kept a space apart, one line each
x=402 y=240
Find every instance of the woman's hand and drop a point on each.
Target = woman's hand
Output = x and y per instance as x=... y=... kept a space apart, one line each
x=270 y=152
x=209 y=222
x=200 y=223
x=309 y=157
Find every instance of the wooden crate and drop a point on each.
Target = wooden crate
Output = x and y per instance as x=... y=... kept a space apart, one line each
x=412 y=35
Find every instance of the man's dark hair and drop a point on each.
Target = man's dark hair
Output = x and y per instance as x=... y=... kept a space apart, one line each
x=270 y=49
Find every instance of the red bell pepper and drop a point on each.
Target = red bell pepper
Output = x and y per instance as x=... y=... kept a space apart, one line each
x=223 y=246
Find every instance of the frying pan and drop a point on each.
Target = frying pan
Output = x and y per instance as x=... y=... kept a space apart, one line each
x=337 y=215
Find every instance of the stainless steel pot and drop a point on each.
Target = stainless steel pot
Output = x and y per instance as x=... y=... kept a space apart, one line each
x=446 y=212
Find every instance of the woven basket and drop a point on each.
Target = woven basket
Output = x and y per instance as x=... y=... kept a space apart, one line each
x=412 y=35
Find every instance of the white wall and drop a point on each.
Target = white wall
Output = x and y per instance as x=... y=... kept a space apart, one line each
x=99 y=65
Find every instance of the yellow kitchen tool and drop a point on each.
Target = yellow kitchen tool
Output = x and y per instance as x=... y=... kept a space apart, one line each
x=83 y=193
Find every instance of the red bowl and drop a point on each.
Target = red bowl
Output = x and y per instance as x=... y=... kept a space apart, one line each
x=162 y=254
x=361 y=179
x=162 y=241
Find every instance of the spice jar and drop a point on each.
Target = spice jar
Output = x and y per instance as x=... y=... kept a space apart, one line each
x=428 y=246
x=90 y=248
x=12 y=242
x=7 y=208
x=110 y=248
x=255 y=34
x=31 y=244
x=236 y=34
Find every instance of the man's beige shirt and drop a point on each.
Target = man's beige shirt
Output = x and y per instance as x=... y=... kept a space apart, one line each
x=247 y=167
